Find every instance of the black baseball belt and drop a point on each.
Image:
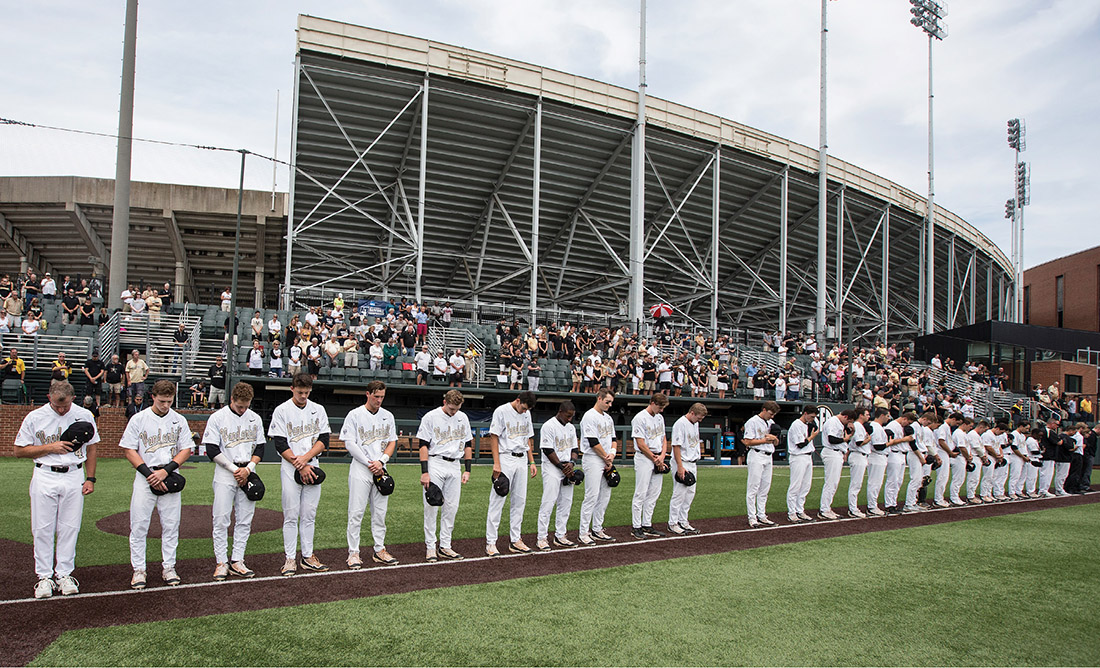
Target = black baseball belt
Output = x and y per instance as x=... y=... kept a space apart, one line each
x=59 y=469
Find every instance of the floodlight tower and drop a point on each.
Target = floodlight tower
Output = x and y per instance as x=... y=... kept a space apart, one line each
x=928 y=15
x=1017 y=140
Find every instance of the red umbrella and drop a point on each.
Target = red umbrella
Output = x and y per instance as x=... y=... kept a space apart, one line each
x=660 y=310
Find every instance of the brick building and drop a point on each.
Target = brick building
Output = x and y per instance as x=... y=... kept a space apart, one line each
x=1064 y=292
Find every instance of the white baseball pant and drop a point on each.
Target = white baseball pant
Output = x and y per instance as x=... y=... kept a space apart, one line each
x=299 y=514
x=516 y=470
x=597 y=494
x=555 y=493
x=1031 y=478
x=448 y=477
x=876 y=469
x=1016 y=474
x=943 y=475
x=832 y=461
x=958 y=477
x=759 y=484
x=1061 y=472
x=647 y=489
x=361 y=492
x=230 y=499
x=168 y=506
x=57 y=506
x=973 y=478
x=986 y=486
x=857 y=466
x=916 y=477
x=682 y=495
x=802 y=476
x=895 y=475
x=1000 y=477
x=1046 y=476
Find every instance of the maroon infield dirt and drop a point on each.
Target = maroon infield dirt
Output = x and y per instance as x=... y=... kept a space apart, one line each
x=32 y=625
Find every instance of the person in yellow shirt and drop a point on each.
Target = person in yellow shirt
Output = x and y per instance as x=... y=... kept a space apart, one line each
x=1085 y=408
x=61 y=368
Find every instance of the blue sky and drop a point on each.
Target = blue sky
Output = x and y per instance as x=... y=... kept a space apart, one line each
x=208 y=73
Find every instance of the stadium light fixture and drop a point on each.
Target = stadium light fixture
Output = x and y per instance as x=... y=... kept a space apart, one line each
x=1017 y=140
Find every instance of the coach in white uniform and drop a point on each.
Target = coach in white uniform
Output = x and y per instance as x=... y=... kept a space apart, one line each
x=686 y=451
x=234 y=440
x=650 y=450
x=859 y=449
x=800 y=454
x=443 y=437
x=834 y=443
x=597 y=457
x=511 y=437
x=945 y=449
x=370 y=435
x=58 y=487
x=560 y=450
x=761 y=444
x=299 y=430
x=877 y=459
x=157 y=441
x=961 y=439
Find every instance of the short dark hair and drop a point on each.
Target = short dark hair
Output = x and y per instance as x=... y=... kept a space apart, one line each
x=374 y=386
x=302 y=380
x=163 y=388
x=528 y=399
x=567 y=407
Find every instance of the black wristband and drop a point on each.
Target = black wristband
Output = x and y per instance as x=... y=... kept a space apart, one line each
x=144 y=470
x=171 y=466
x=423 y=466
x=466 y=463
x=90 y=479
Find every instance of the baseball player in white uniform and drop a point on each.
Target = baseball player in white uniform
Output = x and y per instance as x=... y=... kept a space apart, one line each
x=299 y=430
x=234 y=440
x=800 y=454
x=877 y=459
x=560 y=450
x=58 y=487
x=650 y=450
x=597 y=457
x=961 y=439
x=686 y=451
x=918 y=456
x=1000 y=473
x=835 y=436
x=1018 y=462
x=1048 y=446
x=443 y=437
x=511 y=440
x=157 y=441
x=897 y=449
x=977 y=451
x=761 y=444
x=859 y=449
x=945 y=450
x=991 y=443
x=370 y=435
x=1035 y=456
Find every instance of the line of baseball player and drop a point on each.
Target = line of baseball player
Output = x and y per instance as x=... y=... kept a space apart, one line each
x=996 y=462
x=61 y=438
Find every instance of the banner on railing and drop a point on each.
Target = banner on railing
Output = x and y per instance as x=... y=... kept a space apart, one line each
x=373 y=308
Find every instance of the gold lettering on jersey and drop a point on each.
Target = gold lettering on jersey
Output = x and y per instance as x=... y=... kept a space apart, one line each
x=312 y=429
x=441 y=436
x=154 y=442
x=516 y=430
x=232 y=438
x=374 y=434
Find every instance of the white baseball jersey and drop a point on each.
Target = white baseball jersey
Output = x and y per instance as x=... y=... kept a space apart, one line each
x=833 y=427
x=301 y=427
x=796 y=434
x=685 y=434
x=989 y=439
x=598 y=426
x=925 y=437
x=447 y=434
x=367 y=434
x=755 y=428
x=962 y=441
x=943 y=433
x=236 y=435
x=974 y=442
x=157 y=439
x=561 y=438
x=878 y=437
x=650 y=428
x=43 y=425
x=512 y=429
x=859 y=435
x=1019 y=442
x=895 y=430
x=1032 y=446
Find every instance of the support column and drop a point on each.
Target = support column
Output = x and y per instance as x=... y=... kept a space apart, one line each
x=951 y=284
x=822 y=189
x=972 y=273
x=637 y=193
x=838 y=302
x=120 y=220
x=886 y=276
x=716 y=199
x=783 y=232
x=422 y=189
x=989 y=293
x=535 y=194
x=261 y=242
x=177 y=285
x=287 y=295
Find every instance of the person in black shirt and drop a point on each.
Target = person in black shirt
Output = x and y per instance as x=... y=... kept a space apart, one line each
x=649 y=375
x=217 y=383
x=408 y=339
x=104 y=317
x=165 y=292
x=114 y=373
x=87 y=313
x=94 y=371
x=179 y=342
x=70 y=308
x=135 y=406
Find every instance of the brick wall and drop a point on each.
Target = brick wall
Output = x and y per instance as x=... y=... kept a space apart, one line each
x=1057 y=370
x=111 y=424
x=1081 y=291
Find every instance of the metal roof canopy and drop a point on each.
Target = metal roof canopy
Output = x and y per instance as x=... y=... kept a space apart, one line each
x=363 y=156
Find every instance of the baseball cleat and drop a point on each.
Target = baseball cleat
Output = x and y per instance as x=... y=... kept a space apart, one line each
x=987 y=499
x=942 y=504
x=828 y=515
x=221 y=572
x=431 y=557
x=602 y=536
x=974 y=501
x=312 y=563
x=240 y=570
x=794 y=518
x=138 y=581
x=637 y=533
x=876 y=511
x=492 y=551
x=355 y=562
x=857 y=514
x=563 y=542
x=44 y=588
x=910 y=509
x=543 y=545
x=290 y=567
x=519 y=547
x=169 y=576
x=765 y=521
x=753 y=524
x=676 y=530
x=958 y=502
x=384 y=557
x=689 y=529
x=448 y=553
x=68 y=585
x=585 y=539
x=652 y=533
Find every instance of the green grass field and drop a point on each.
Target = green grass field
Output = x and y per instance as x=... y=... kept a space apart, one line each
x=721 y=493
x=1011 y=590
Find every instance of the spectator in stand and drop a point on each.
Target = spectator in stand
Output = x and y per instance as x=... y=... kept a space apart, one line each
x=421 y=326
x=104 y=317
x=14 y=368
x=439 y=366
x=390 y=351
x=351 y=351
x=87 y=312
x=135 y=407
x=49 y=288
x=275 y=364
x=257 y=325
x=30 y=325
x=5 y=324
x=313 y=357
x=136 y=373
x=332 y=351
x=61 y=368
x=94 y=372
x=13 y=305
x=153 y=304
x=533 y=372
x=35 y=313
x=227 y=297
x=179 y=345
x=115 y=375
x=423 y=363
x=137 y=305
x=448 y=314
x=256 y=358
x=274 y=329
x=31 y=288
x=127 y=297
